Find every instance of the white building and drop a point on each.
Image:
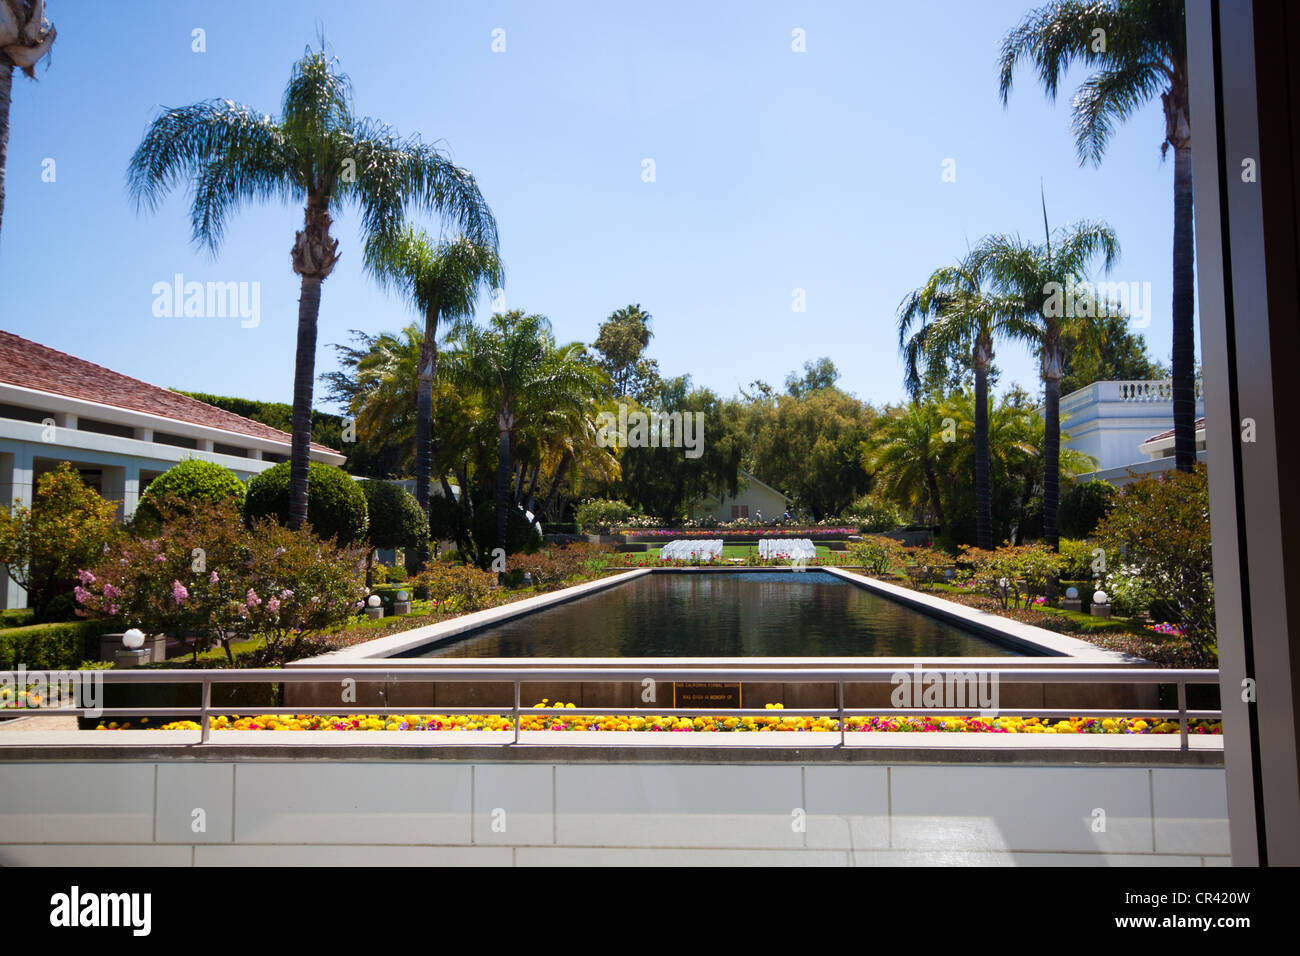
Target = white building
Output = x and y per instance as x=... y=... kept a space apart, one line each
x=1125 y=426
x=119 y=432
x=752 y=498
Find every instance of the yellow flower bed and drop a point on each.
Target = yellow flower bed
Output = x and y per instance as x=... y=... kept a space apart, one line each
x=714 y=723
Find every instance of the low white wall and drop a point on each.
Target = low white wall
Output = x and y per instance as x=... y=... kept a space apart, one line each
x=347 y=811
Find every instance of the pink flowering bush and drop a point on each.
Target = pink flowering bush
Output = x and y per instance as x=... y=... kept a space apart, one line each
x=201 y=575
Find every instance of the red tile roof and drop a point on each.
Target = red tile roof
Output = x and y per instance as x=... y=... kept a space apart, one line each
x=31 y=365
x=1199 y=427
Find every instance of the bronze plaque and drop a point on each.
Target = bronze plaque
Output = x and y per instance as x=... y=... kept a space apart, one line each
x=706 y=695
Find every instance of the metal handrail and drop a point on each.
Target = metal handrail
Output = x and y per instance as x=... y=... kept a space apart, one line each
x=518 y=676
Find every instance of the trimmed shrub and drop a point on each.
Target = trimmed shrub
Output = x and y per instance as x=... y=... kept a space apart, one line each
x=336 y=506
x=601 y=516
x=559 y=563
x=192 y=480
x=446 y=521
x=1083 y=507
x=51 y=647
x=395 y=519
x=869 y=514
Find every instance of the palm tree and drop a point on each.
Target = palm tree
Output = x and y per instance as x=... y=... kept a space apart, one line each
x=321 y=154
x=524 y=377
x=25 y=37
x=1032 y=276
x=1137 y=49
x=440 y=281
x=903 y=456
x=953 y=314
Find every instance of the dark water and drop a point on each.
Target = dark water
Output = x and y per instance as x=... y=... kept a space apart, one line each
x=724 y=614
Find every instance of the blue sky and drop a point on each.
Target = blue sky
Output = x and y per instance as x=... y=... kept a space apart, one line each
x=774 y=171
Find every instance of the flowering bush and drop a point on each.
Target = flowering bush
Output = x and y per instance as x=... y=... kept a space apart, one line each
x=1016 y=575
x=877 y=554
x=42 y=547
x=1161 y=524
x=924 y=565
x=457 y=587
x=204 y=577
x=1130 y=593
x=601 y=516
x=557 y=564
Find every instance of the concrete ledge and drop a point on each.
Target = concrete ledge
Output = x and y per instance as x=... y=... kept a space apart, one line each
x=1025 y=637
x=615 y=746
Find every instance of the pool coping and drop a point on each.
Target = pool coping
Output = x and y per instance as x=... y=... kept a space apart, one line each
x=1051 y=648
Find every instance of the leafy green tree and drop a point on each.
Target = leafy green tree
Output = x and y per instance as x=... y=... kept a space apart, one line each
x=662 y=481
x=320 y=153
x=1084 y=506
x=621 y=342
x=809 y=446
x=1135 y=50
x=25 y=38
x=1161 y=524
x=394 y=519
x=440 y=281
x=1030 y=279
x=816 y=376
x=65 y=530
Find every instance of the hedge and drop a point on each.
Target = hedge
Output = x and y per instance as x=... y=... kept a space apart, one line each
x=50 y=647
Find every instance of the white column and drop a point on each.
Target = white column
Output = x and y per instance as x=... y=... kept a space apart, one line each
x=18 y=481
x=130 y=488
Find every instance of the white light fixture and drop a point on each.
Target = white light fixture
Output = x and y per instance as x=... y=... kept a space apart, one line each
x=401 y=596
x=1099 y=597
x=374 y=600
x=133 y=639
x=1072 y=594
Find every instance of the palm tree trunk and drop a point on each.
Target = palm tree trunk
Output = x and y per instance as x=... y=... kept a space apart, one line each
x=1184 y=348
x=304 y=376
x=424 y=422
x=932 y=485
x=1051 y=458
x=503 y=489
x=983 y=496
x=6 y=87
x=556 y=484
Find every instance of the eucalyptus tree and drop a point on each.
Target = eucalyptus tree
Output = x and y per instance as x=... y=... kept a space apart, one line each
x=1136 y=50
x=953 y=314
x=1036 y=280
x=320 y=153
x=523 y=376
x=25 y=38
x=439 y=280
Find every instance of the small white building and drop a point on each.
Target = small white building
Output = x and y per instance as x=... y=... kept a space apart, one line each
x=119 y=432
x=751 y=499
